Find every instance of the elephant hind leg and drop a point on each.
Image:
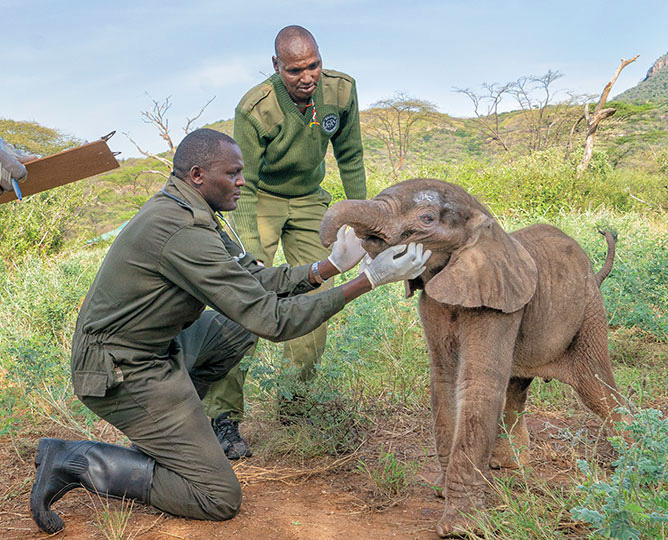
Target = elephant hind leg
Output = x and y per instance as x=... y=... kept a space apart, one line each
x=586 y=366
x=511 y=449
x=595 y=385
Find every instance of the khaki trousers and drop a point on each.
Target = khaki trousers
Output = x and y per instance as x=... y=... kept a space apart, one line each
x=295 y=223
x=157 y=407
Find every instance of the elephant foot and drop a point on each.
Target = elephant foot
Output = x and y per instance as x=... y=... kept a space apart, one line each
x=509 y=460
x=506 y=456
x=457 y=523
x=439 y=486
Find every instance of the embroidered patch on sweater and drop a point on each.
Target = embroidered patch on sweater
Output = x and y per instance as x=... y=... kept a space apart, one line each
x=330 y=123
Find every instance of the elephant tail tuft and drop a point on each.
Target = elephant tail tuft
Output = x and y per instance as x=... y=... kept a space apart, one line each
x=611 y=239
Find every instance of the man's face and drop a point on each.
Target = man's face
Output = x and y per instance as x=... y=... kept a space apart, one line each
x=299 y=66
x=222 y=180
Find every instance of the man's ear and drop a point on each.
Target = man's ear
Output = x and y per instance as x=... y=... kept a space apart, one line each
x=274 y=61
x=195 y=175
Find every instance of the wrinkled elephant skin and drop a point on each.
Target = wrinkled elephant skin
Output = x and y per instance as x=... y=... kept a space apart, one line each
x=498 y=309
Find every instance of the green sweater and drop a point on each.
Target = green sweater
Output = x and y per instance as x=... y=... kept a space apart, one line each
x=284 y=153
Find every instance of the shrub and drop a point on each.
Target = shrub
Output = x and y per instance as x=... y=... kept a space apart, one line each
x=390 y=477
x=41 y=224
x=633 y=502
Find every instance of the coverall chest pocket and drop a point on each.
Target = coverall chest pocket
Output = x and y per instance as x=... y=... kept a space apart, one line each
x=96 y=373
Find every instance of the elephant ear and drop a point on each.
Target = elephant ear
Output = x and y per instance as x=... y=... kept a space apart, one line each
x=493 y=270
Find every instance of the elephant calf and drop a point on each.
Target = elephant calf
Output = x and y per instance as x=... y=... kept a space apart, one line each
x=498 y=309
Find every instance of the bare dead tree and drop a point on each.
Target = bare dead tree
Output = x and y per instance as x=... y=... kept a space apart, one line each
x=392 y=121
x=488 y=121
x=157 y=116
x=592 y=121
x=161 y=159
x=188 y=127
x=578 y=121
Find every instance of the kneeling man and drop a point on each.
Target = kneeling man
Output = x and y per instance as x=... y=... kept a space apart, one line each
x=145 y=351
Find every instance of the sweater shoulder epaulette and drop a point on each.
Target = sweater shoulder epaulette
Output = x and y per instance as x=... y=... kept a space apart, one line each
x=336 y=87
x=261 y=103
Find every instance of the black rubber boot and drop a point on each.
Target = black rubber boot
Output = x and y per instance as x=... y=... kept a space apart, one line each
x=105 y=469
x=227 y=433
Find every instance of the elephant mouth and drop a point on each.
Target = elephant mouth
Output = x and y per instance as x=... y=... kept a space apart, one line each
x=374 y=244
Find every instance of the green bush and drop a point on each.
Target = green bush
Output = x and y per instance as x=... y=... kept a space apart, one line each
x=39 y=302
x=42 y=224
x=390 y=477
x=636 y=291
x=633 y=502
x=545 y=184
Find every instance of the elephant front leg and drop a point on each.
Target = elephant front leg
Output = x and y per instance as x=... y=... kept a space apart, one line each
x=482 y=379
x=512 y=444
x=443 y=412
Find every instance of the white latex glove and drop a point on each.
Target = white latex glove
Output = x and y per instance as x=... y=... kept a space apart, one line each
x=347 y=250
x=386 y=269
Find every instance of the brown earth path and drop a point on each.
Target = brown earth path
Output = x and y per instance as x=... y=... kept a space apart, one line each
x=289 y=503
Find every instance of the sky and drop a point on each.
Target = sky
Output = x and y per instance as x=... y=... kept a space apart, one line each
x=90 y=67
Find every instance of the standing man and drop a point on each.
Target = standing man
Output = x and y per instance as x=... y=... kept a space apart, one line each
x=144 y=350
x=284 y=126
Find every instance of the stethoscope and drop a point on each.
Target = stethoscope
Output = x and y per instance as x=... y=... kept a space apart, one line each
x=220 y=216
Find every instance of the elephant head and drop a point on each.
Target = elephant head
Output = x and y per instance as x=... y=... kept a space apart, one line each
x=474 y=263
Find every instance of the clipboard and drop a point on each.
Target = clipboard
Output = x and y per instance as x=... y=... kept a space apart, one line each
x=65 y=167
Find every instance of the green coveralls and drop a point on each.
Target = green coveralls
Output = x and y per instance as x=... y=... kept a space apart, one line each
x=142 y=338
x=284 y=156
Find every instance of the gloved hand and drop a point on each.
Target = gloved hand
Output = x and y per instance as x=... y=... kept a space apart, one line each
x=10 y=168
x=386 y=269
x=347 y=250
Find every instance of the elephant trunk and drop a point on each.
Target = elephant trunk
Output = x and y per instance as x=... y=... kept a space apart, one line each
x=367 y=218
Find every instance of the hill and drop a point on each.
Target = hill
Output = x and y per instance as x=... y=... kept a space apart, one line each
x=634 y=140
x=653 y=88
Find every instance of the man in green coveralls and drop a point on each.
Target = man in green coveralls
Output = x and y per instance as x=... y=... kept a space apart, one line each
x=144 y=351
x=284 y=126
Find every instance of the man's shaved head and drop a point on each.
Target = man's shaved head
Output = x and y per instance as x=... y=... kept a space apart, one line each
x=293 y=40
x=199 y=148
x=297 y=61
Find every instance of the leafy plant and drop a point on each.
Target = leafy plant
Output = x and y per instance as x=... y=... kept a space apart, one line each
x=113 y=523
x=633 y=503
x=390 y=477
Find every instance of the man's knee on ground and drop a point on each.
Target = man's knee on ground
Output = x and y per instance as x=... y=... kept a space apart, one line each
x=221 y=505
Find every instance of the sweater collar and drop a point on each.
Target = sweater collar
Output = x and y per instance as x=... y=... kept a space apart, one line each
x=290 y=106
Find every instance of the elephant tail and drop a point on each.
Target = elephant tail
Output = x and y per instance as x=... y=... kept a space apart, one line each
x=611 y=239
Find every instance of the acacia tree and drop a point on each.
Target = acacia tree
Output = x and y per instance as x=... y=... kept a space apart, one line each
x=35 y=138
x=545 y=119
x=392 y=121
x=489 y=100
x=542 y=121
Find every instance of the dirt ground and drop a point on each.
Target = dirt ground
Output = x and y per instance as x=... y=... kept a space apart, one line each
x=328 y=499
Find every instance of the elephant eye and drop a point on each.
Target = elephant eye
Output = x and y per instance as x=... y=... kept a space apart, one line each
x=427 y=219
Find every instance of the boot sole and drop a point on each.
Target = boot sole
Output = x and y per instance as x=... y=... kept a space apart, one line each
x=47 y=520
